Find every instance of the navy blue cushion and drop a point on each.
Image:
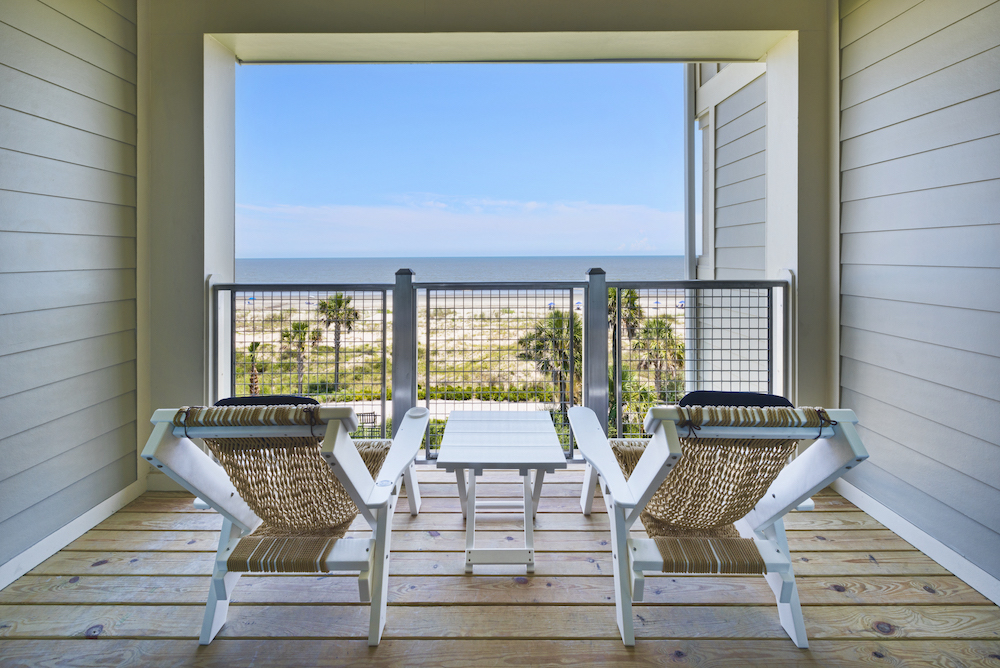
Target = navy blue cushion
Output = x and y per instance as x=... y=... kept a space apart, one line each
x=267 y=400
x=709 y=398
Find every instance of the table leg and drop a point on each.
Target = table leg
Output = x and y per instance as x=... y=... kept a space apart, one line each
x=470 y=522
x=537 y=493
x=462 y=495
x=529 y=521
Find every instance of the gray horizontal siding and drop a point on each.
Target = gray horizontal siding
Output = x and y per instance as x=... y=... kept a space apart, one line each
x=48 y=62
x=29 y=291
x=40 y=329
x=964 y=80
x=49 y=515
x=34 y=446
x=957 y=124
x=959 y=328
x=740 y=183
x=48 y=139
x=970 y=456
x=960 y=205
x=920 y=235
x=969 y=538
x=962 y=39
x=67 y=263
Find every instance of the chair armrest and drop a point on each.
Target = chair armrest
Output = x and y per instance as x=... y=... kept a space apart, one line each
x=596 y=450
x=820 y=464
x=185 y=463
x=403 y=450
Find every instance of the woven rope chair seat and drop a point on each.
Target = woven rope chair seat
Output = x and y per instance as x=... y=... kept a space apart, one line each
x=287 y=483
x=715 y=483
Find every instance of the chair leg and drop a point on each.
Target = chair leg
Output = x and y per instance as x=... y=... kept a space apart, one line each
x=589 y=488
x=785 y=591
x=623 y=582
x=380 y=573
x=412 y=490
x=222 y=585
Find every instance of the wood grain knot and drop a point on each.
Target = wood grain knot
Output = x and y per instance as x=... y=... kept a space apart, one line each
x=884 y=628
x=94 y=631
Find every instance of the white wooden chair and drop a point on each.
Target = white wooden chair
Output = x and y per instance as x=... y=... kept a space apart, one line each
x=703 y=470
x=291 y=482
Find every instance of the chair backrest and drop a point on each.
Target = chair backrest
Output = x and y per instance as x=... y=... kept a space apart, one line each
x=718 y=480
x=283 y=479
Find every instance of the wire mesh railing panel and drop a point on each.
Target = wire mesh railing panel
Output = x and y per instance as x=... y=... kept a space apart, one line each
x=509 y=349
x=734 y=339
x=329 y=345
x=646 y=331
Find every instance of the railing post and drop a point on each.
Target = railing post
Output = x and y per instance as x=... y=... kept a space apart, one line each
x=404 y=347
x=595 y=346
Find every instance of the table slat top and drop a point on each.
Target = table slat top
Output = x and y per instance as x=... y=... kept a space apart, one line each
x=500 y=440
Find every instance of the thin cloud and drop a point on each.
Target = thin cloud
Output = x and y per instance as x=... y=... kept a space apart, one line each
x=428 y=225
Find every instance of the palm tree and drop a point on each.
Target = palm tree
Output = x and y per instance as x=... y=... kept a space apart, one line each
x=631 y=313
x=555 y=346
x=661 y=350
x=297 y=338
x=337 y=311
x=255 y=368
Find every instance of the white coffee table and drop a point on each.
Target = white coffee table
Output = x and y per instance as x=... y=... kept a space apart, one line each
x=478 y=440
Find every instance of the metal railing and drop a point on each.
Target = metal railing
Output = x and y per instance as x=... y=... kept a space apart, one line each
x=616 y=347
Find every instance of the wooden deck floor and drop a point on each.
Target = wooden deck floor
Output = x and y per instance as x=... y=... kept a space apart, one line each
x=132 y=592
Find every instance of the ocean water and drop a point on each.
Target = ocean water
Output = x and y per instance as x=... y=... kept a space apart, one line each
x=445 y=269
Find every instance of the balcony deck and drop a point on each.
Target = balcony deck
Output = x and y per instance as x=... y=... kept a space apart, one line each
x=132 y=592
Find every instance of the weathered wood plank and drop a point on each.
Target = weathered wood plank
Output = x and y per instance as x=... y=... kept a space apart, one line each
x=492 y=590
x=293 y=653
x=454 y=541
x=70 y=563
x=872 y=562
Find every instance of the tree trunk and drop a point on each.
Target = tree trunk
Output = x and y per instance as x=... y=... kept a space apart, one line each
x=336 y=356
x=301 y=368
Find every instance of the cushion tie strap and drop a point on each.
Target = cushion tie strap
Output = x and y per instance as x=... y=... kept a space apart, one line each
x=824 y=421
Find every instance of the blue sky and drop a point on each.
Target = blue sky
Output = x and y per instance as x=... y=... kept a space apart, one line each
x=459 y=160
